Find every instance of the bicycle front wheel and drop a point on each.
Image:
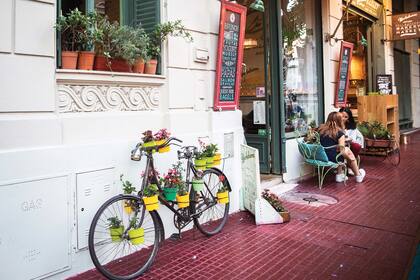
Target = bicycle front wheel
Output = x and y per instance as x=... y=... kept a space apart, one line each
x=126 y=250
x=210 y=216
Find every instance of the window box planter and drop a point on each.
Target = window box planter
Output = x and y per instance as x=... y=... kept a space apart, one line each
x=116 y=233
x=223 y=197
x=136 y=236
x=386 y=143
x=183 y=200
x=198 y=185
x=170 y=193
x=200 y=163
x=151 y=203
x=209 y=162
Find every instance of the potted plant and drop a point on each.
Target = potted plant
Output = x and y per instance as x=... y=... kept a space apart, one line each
x=217 y=159
x=172 y=181
x=72 y=28
x=183 y=196
x=136 y=232
x=128 y=188
x=376 y=135
x=105 y=43
x=86 y=41
x=209 y=153
x=158 y=36
x=223 y=194
x=161 y=137
x=200 y=160
x=275 y=202
x=150 y=197
x=116 y=228
x=197 y=183
x=125 y=53
x=148 y=139
x=140 y=41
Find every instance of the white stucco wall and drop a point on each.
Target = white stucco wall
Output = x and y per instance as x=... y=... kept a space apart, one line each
x=39 y=141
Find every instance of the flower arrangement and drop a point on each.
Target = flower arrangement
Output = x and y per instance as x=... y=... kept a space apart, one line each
x=174 y=176
x=274 y=201
x=162 y=134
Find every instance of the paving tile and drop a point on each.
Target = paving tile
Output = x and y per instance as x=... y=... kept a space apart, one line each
x=368 y=234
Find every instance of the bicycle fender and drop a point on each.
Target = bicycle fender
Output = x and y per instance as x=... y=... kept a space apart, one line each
x=162 y=229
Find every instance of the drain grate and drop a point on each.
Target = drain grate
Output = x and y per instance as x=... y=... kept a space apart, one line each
x=310 y=199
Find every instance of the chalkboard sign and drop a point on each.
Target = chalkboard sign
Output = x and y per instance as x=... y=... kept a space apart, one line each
x=343 y=74
x=384 y=84
x=229 y=56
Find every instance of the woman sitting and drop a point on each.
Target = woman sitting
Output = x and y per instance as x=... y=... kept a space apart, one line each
x=332 y=134
x=356 y=139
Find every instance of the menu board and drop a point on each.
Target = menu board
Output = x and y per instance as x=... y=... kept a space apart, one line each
x=384 y=84
x=406 y=26
x=343 y=74
x=229 y=56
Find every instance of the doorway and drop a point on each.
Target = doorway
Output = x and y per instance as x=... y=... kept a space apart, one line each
x=403 y=84
x=256 y=90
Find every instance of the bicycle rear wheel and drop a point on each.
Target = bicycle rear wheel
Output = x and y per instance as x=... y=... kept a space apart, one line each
x=123 y=254
x=211 y=216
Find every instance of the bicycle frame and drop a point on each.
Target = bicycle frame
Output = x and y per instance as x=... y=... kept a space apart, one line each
x=151 y=168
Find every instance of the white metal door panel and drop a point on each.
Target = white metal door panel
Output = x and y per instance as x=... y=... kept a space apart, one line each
x=93 y=189
x=34 y=228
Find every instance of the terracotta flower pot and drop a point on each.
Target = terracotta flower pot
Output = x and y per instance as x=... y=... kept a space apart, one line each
x=120 y=65
x=138 y=67
x=69 y=59
x=151 y=67
x=86 y=60
x=100 y=63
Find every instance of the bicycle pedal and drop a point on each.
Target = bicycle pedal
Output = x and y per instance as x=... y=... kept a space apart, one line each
x=175 y=236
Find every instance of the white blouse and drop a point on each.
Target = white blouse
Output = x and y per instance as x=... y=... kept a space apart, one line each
x=356 y=136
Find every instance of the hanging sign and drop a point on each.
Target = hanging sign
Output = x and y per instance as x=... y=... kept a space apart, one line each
x=384 y=84
x=343 y=74
x=406 y=26
x=229 y=56
x=371 y=7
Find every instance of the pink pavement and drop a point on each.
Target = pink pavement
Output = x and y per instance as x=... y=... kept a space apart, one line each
x=369 y=234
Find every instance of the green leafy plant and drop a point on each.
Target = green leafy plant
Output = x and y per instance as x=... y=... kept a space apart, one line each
x=151 y=190
x=128 y=187
x=223 y=188
x=114 y=222
x=135 y=222
x=76 y=30
x=273 y=200
x=162 y=31
x=105 y=34
x=182 y=189
x=210 y=150
x=374 y=130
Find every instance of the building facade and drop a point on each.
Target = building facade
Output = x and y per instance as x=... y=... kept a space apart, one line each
x=67 y=134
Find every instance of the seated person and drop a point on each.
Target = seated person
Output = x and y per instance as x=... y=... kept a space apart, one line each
x=357 y=141
x=332 y=133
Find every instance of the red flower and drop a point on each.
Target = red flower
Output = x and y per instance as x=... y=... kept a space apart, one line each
x=221 y=178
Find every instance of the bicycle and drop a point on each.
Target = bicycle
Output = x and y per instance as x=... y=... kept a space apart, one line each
x=120 y=256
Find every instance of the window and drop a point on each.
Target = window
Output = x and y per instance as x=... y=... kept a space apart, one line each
x=301 y=88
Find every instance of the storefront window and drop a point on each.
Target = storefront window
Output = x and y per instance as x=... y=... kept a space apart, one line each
x=300 y=83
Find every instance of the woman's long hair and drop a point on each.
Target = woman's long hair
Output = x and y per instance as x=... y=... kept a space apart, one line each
x=333 y=124
x=351 y=123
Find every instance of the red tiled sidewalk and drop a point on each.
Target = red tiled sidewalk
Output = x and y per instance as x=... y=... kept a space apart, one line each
x=369 y=234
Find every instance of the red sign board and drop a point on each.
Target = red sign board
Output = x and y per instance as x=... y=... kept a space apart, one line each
x=343 y=74
x=229 y=56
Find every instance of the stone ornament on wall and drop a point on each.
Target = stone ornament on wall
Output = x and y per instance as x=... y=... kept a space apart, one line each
x=99 y=98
